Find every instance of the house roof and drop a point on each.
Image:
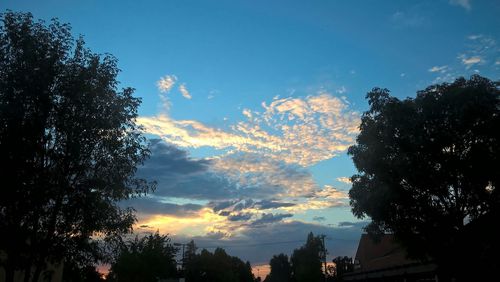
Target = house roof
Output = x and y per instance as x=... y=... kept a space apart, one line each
x=386 y=253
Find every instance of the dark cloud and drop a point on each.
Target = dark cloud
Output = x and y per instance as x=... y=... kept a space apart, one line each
x=166 y=157
x=153 y=205
x=224 y=213
x=239 y=217
x=346 y=224
x=271 y=204
x=239 y=205
x=268 y=218
x=319 y=218
x=180 y=176
x=258 y=245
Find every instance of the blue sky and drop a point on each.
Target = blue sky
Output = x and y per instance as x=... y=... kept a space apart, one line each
x=252 y=104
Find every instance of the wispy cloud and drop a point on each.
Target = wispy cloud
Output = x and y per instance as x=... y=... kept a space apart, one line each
x=344 y=179
x=166 y=83
x=295 y=130
x=259 y=176
x=462 y=3
x=441 y=69
x=474 y=36
x=185 y=93
x=341 y=90
x=470 y=61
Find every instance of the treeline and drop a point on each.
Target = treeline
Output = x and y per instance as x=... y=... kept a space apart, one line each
x=307 y=264
x=152 y=258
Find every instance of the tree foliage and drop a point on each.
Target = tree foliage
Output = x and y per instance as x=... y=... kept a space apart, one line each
x=281 y=270
x=69 y=146
x=306 y=261
x=217 y=267
x=146 y=259
x=429 y=170
x=342 y=265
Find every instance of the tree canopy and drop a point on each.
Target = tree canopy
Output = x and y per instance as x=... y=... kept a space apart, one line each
x=217 y=267
x=69 y=146
x=306 y=260
x=429 y=170
x=281 y=270
x=146 y=259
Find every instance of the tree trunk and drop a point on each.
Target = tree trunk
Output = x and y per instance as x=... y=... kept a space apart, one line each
x=9 y=272
x=27 y=273
x=37 y=272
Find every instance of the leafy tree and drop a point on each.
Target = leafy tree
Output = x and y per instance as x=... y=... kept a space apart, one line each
x=73 y=272
x=429 y=169
x=342 y=265
x=69 y=147
x=281 y=271
x=218 y=267
x=306 y=261
x=145 y=259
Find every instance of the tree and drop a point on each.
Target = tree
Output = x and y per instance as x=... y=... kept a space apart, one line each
x=342 y=265
x=281 y=270
x=75 y=273
x=69 y=147
x=218 y=267
x=306 y=261
x=146 y=259
x=428 y=171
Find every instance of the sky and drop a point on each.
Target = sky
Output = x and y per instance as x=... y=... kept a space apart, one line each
x=250 y=106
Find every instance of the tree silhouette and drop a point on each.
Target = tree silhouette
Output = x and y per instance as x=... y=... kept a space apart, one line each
x=428 y=171
x=145 y=259
x=281 y=271
x=342 y=265
x=69 y=146
x=306 y=261
x=217 y=267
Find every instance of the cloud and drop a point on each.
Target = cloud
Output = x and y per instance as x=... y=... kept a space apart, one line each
x=185 y=93
x=239 y=216
x=272 y=204
x=153 y=205
x=258 y=178
x=474 y=36
x=255 y=170
x=341 y=90
x=344 y=179
x=303 y=131
x=462 y=3
x=441 y=69
x=258 y=245
x=470 y=61
x=178 y=175
x=247 y=113
x=319 y=218
x=166 y=83
x=268 y=218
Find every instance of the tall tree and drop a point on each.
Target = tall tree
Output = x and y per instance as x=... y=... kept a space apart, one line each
x=281 y=271
x=146 y=259
x=429 y=170
x=306 y=261
x=69 y=146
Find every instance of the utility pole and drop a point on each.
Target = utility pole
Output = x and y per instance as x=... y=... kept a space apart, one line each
x=324 y=253
x=183 y=258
